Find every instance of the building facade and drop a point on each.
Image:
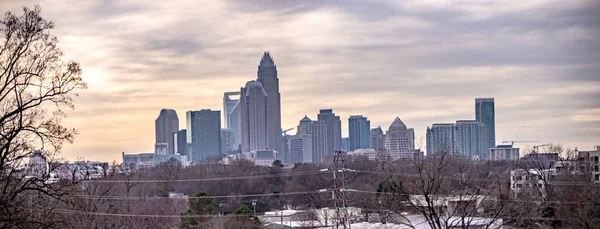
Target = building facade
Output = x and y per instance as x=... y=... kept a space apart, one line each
x=267 y=76
x=319 y=140
x=165 y=125
x=484 y=113
x=204 y=134
x=255 y=117
x=227 y=142
x=377 y=137
x=440 y=138
x=181 y=145
x=589 y=163
x=231 y=116
x=359 y=128
x=471 y=139
x=300 y=148
x=504 y=153
x=398 y=142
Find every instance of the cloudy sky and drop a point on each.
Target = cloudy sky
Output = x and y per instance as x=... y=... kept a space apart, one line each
x=422 y=60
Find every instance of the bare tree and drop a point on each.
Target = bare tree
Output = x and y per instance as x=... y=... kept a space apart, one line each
x=444 y=191
x=36 y=84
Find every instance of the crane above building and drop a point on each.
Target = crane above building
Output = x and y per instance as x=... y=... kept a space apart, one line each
x=535 y=148
x=285 y=131
x=512 y=142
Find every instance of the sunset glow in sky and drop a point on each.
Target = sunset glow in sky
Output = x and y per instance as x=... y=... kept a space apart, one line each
x=423 y=61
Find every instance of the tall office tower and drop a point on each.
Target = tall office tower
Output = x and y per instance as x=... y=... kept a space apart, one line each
x=320 y=140
x=470 y=139
x=359 y=128
x=334 y=130
x=377 y=139
x=305 y=126
x=180 y=139
x=227 y=146
x=440 y=138
x=267 y=76
x=204 y=134
x=398 y=143
x=231 y=116
x=254 y=117
x=165 y=125
x=484 y=113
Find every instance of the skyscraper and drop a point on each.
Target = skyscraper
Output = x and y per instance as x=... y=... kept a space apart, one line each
x=304 y=127
x=470 y=139
x=320 y=138
x=300 y=146
x=165 y=125
x=231 y=116
x=254 y=117
x=267 y=76
x=359 y=128
x=377 y=137
x=204 y=134
x=440 y=138
x=484 y=113
x=181 y=145
x=334 y=130
x=398 y=143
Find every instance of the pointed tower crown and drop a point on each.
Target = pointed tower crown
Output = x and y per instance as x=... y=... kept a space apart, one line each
x=305 y=120
x=266 y=60
x=398 y=123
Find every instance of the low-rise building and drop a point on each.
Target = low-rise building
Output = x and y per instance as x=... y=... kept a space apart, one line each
x=141 y=160
x=504 y=153
x=589 y=162
x=532 y=179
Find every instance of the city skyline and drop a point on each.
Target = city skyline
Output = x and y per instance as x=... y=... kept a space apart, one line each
x=540 y=82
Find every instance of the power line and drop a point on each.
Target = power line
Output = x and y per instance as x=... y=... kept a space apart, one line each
x=556 y=183
x=193 y=197
x=207 y=179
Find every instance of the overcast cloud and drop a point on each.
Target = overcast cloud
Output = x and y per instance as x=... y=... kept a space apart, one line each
x=422 y=60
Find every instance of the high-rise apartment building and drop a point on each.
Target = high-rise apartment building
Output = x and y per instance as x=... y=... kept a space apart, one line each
x=470 y=139
x=334 y=130
x=267 y=76
x=359 y=128
x=204 y=134
x=440 y=138
x=181 y=145
x=300 y=148
x=320 y=140
x=398 y=141
x=255 y=118
x=231 y=116
x=377 y=137
x=165 y=125
x=484 y=113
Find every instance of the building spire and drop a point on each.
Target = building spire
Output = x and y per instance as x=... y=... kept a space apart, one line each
x=266 y=60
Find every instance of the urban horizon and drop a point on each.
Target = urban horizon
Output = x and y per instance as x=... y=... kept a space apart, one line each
x=300 y=114
x=418 y=78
